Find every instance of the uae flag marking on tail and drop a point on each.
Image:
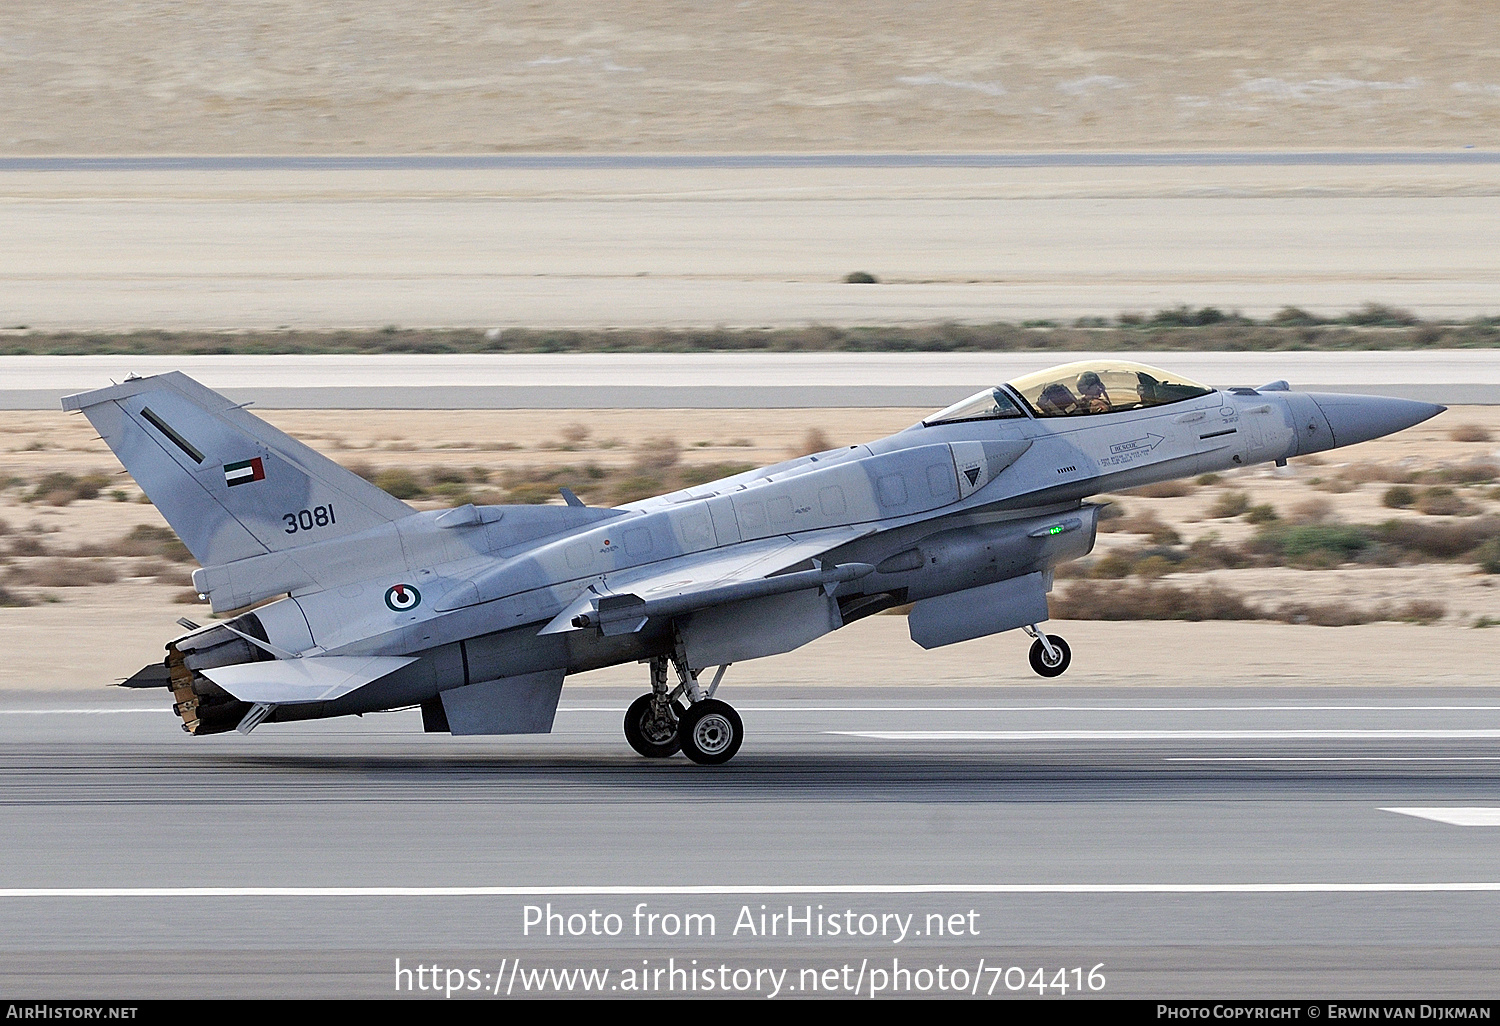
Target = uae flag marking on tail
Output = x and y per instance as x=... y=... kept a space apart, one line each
x=244 y=473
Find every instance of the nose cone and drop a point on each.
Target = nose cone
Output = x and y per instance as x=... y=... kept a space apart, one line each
x=1359 y=418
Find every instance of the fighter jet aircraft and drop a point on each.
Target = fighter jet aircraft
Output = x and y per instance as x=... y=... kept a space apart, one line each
x=350 y=601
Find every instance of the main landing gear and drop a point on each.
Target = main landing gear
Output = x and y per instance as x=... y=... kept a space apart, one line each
x=1050 y=655
x=659 y=724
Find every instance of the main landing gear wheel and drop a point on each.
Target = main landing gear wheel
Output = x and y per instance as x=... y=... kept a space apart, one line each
x=710 y=732
x=1055 y=664
x=655 y=737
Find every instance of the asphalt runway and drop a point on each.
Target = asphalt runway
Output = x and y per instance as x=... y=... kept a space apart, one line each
x=533 y=381
x=1277 y=842
x=739 y=241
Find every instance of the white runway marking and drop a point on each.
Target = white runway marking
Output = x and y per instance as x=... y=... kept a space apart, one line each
x=1171 y=735
x=1465 y=886
x=84 y=712
x=1473 y=815
x=1075 y=708
x=1332 y=758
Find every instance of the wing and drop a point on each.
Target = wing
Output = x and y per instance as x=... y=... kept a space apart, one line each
x=677 y=586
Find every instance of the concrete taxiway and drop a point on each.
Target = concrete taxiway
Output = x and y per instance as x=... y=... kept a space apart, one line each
x=1197 y=841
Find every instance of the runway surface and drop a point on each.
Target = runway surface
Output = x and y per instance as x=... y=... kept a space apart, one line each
x=719 y=380
x=1203 y=841
x=742 y=241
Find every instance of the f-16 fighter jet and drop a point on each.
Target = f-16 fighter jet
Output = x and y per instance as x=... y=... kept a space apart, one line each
x=351 y=601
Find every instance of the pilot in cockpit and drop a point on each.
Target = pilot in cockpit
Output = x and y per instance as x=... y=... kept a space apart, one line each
x=1093 y=396
x=1056 y=401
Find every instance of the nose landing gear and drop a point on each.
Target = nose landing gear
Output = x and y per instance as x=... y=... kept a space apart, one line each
x=1050 y=654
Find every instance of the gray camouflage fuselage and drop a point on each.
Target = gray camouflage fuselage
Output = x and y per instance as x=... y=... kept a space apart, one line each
x=980 y=509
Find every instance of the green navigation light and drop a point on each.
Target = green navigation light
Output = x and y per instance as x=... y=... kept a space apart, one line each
x=1055 y=529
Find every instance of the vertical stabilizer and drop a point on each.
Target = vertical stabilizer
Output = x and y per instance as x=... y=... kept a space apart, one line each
x=230 y=484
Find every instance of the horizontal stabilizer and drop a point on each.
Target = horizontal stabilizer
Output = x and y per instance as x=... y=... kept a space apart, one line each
x=153 y=675
x=313 y=679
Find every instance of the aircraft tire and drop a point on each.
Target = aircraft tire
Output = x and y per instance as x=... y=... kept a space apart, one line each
x=710 y=732
x=646 y=737
x=1039 y=657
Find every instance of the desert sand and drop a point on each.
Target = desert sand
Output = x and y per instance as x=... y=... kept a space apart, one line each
x=318 y=76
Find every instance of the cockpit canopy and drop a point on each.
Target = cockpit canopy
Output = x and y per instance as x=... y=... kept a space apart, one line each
x=1077 y=389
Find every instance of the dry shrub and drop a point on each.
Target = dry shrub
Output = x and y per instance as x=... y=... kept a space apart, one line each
x=1421 y=611
x=1370 y=473
x=1473 y=472
x=654 y=456
x=531 y=493
x=1154 y=566
x=1399 y=497
x=1469 y=433
x=440 y=475
x=1312 y=546
x=190 y=595
x=59 y=489
x=13 y=599
x=4 y=527
x=1162 y=490
x=635 y=488
x=1208 y=554
x=815 y=440
x=176 y=577
x=692 y=476
x=1111 y=516
x=147 y=540
x=1338 y=614
x=1488 y=556
x=1091 y=600
x=398 y=482
x=1148 y=523
x=1440 y=540
x=1111 y=566
x=1207 y=479
x=64 y=573
x=1337 y=485
x=28 y=545
x=1230 y=504
x=1324 y=614
x=573 y=436
x=1312 y=511
x=1443 y=502
x=1265 y=513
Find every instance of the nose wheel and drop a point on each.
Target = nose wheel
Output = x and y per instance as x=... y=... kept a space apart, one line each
x=1050 y=655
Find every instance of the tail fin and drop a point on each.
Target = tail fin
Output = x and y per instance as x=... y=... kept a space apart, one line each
x=230 y=484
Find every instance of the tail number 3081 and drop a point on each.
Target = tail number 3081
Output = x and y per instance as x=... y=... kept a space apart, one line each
x=307 y=519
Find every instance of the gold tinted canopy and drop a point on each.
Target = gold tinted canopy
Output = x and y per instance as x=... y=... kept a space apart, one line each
x=1102 y=386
